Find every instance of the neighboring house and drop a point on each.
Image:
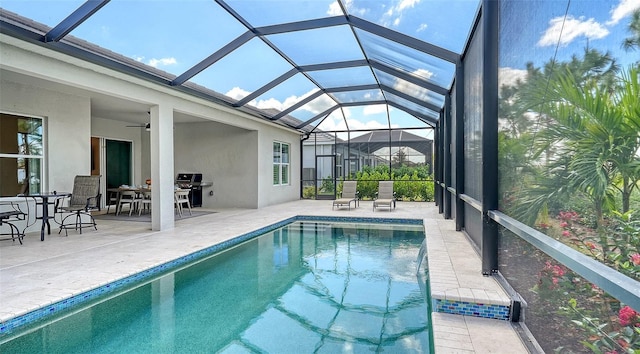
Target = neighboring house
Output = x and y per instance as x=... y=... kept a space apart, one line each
x=322 y=150
x=372 y=149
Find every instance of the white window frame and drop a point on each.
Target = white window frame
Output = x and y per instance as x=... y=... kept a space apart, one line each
x=279 y=166
x=40 y=157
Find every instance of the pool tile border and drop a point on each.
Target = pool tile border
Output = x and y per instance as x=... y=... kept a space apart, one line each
x=466 y=308
x=15 y=323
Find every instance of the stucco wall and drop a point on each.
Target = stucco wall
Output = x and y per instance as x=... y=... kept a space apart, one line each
x=269 y=193
x=238 y=161
x=226 y=156
x=67 y=129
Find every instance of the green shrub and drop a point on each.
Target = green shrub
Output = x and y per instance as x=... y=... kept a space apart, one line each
x=309 y=192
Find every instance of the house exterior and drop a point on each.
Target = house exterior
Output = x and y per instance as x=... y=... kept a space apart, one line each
x=81 y=106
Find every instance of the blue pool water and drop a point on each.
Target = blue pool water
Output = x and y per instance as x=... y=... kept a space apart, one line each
x=308 y=287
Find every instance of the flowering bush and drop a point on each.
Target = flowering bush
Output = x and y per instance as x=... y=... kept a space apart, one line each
x=629 y=317
x=608 y=338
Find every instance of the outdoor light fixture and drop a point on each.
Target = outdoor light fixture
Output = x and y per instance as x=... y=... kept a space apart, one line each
x=147 y=127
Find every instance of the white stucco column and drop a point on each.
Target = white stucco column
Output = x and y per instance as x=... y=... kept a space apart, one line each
x=162 y=174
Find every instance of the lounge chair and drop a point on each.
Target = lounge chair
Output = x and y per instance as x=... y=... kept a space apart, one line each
x=385 y=197
x=349 y=194
x=84 y=198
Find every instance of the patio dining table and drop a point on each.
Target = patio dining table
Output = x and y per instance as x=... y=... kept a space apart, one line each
x=121 y=189
x=45 y=199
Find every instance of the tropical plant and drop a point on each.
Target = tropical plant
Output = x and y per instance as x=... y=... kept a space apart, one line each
x=633 y=42
x=589 y=145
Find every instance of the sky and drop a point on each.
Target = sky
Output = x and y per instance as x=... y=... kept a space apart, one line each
x=175 y=35
x=545 y=33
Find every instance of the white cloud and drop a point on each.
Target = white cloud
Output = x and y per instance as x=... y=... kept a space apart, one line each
x=161 y=62
x=374 y=109
x=237 y=93
x=422 y=27
x=573 y=28
x=509 y=76
x=334 y=9
x=393 y=16
x=270 y=103
x=424 y=73
x=624 y=9
x=407 y=4
x=412 y=89
x=319 y=104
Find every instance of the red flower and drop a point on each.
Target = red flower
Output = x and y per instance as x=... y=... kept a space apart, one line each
x=590 y=244
x=635 y=258
x=627 y=316
x=568 y=216
x=566 y=233
x=564 y=224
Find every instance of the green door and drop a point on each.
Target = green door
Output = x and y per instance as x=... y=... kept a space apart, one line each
x=118 y=163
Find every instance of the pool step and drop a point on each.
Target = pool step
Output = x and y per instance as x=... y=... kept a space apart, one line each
x=472 y=302
x=455 y=280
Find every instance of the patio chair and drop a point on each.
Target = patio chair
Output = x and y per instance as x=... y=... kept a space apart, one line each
x=145 y=201
x=349 y=194
x=182 y=198
x=129 y=197
x=8 y=216
x=84 y=198
x=385 y=197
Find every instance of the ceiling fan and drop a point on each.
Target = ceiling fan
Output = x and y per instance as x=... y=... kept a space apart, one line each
x=146 y=126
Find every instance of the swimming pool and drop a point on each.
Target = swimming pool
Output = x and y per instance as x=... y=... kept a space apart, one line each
x=310 y=286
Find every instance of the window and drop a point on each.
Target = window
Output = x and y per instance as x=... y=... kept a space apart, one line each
x=280 y=164
x=21 y=153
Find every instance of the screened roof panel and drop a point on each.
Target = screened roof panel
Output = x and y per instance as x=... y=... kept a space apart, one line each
x=409 y=60
x=171 y=36
x=312 y=108
x=401 y=119
x=358 y=96
x=260 y=65
x=361 y=75
x=408 y=88
x=273 y=54
x=444 y=23
x=357 y=118
x=317 y=46
x=271 y=12
x=412 y=106
x=334 y=122
x=286 y=94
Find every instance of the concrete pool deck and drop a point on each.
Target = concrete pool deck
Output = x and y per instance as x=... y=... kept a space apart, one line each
x=37 y=274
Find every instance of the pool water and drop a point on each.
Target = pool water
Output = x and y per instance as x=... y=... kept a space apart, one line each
x=308 y=287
